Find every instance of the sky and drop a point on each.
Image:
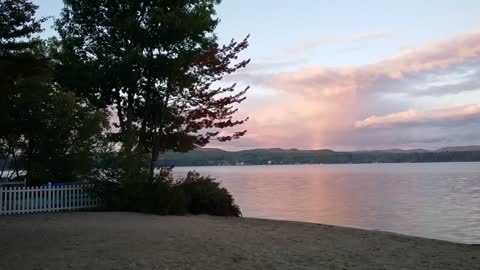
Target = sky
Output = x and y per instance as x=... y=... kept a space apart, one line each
x=353 y=75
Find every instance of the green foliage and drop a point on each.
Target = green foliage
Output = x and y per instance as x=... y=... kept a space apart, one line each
x=163 y=195
x=204 y=195
x=21 y=70
x=17 y=25
x=67 y=140
x=138 y=196
x=154 y=64
x=51 y=130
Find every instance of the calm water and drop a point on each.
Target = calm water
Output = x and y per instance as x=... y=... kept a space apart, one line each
x=434 y=200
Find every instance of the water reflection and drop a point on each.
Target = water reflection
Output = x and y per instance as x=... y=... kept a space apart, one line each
x=432 y=200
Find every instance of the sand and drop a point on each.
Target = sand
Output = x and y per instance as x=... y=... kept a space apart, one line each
x=97 y=240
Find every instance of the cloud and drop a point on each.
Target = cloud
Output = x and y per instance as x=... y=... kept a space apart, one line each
x=437 y=56
x=258 y=72
x=449 y=83
x=370 y=106
x=293 y=123
x=453 y=133
x=414 y=117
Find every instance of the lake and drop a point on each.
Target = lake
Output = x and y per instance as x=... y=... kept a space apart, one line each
x=433 y=200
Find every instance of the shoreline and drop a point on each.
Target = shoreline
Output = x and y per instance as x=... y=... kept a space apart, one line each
x=365 y=229
x=297 y=164
x=106 y=240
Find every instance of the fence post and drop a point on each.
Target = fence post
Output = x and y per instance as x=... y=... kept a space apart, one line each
x=49 y=197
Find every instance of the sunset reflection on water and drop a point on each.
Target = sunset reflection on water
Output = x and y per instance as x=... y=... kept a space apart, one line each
x=431 y=200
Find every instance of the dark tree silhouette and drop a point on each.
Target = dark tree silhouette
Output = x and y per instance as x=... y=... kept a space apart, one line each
x=52 y=131
x=158 y=65
x=18 y=66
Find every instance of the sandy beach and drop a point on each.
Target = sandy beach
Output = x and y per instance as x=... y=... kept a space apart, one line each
x=137 y=241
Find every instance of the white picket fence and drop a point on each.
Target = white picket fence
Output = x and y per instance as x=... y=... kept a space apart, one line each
x=21 y=200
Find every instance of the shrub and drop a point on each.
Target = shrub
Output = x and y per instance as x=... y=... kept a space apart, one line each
x=203 y=195
x=163 y=195
x=119 y=193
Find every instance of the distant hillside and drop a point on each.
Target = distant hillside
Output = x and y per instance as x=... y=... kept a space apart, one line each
x=216 y=157
x=460 y=148
x=210 y=150
x=396 y=151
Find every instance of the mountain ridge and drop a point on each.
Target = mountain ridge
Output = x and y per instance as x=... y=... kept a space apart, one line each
x=278 y=156
x=393 y=150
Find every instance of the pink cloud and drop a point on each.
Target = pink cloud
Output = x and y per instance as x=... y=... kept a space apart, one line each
x=351 y=79
x=320 y=107
x=414 y=116
x=290 y=120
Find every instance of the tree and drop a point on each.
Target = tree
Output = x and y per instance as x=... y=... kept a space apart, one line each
x=17 y=25
x=51 y=130
x=19 y=66
x=158 y=65
x=71 y=131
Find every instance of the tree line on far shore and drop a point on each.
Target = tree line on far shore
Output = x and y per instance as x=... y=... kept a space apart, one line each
x=121 y=83
x=217 y=157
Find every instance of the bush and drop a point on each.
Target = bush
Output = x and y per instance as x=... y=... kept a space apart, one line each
x=203 y=195
x=163 y=195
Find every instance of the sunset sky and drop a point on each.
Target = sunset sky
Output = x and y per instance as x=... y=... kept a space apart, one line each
x=352 y=75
